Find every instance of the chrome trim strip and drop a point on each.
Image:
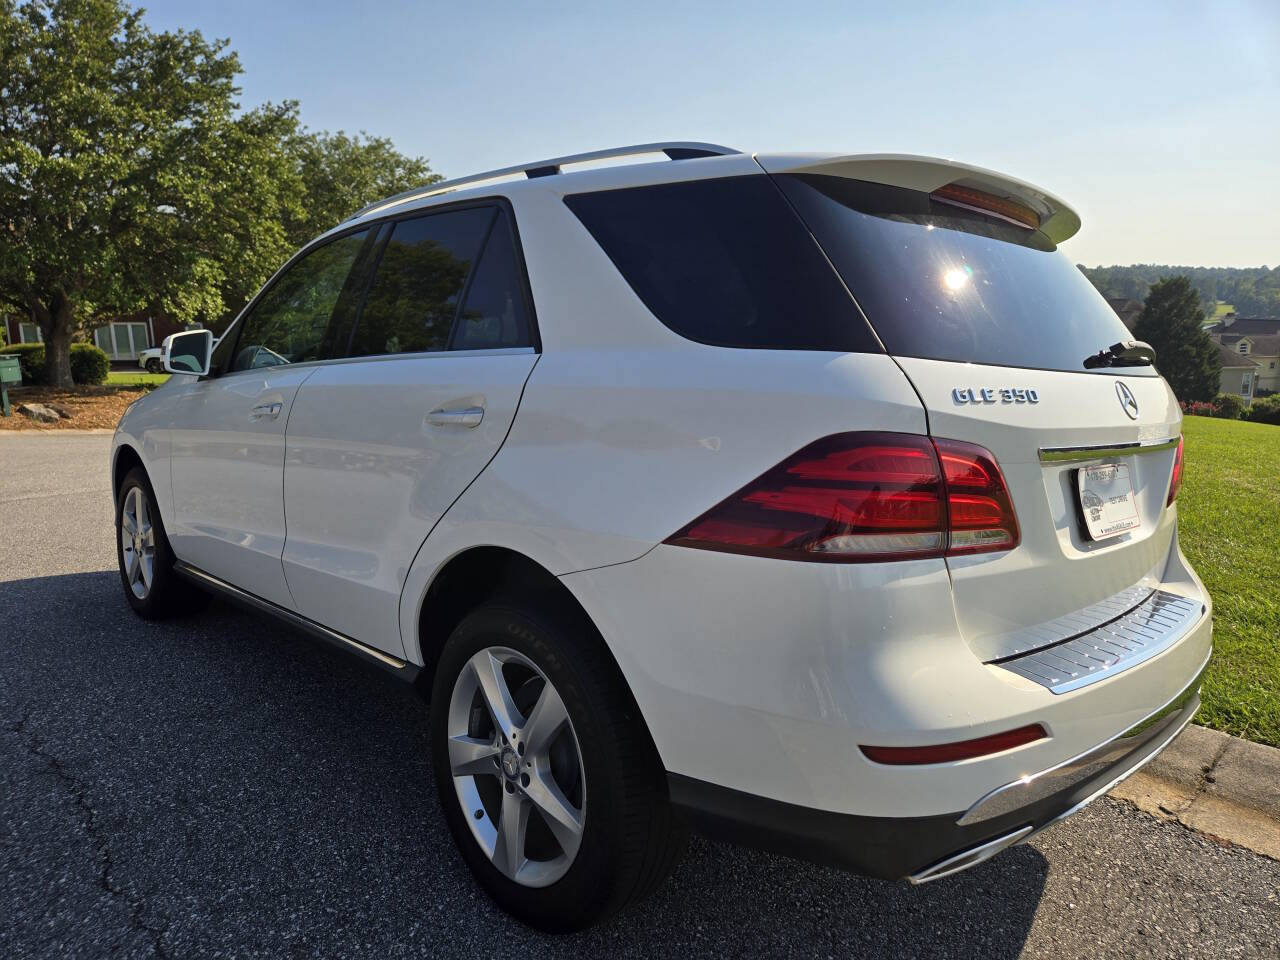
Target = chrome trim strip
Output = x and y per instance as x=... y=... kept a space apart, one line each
x=1109 y=753
x=295 y=618
x=1076 y=808
x=969 y=858
x=1071 y=454
x=1119 y=643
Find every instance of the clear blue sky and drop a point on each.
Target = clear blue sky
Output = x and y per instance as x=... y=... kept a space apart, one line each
x=1159 y=121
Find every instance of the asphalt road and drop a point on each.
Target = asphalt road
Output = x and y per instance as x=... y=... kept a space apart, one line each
x=219 y=787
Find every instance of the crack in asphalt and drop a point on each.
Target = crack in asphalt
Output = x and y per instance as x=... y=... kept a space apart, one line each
x=36 y=747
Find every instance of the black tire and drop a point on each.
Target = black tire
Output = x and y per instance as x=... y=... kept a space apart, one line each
x=630 y=838
x=169 y=595
x=154 y=366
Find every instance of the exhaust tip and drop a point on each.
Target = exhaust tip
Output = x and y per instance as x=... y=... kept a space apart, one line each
x=968 y=858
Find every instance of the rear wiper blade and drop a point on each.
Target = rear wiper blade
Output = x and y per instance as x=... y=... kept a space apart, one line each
x=1127 y=353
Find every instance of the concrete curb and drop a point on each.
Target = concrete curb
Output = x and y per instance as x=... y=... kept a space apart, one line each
x=57 y=432
x=1216 y=784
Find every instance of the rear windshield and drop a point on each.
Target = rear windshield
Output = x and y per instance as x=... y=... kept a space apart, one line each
x=943 y=283
x=725 y=262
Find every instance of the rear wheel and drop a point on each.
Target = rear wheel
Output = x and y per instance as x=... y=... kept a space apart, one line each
x=151 y=586
x=549 y=782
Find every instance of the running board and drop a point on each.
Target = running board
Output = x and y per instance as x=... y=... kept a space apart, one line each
x=400 y=668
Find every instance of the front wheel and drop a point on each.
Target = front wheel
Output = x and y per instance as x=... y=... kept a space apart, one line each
x=151 y=586
x=549 y=782
x=154 y=366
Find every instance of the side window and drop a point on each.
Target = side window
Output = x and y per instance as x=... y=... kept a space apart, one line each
x=289 y=324
x=420 y=278
x=494 y=315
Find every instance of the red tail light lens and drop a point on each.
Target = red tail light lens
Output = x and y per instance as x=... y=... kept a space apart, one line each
x=859 y=497
x=951 y=752
x=1176 y=480
x=981 y=514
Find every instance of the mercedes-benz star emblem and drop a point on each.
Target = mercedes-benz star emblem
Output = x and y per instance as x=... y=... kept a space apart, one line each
x=1127 y=399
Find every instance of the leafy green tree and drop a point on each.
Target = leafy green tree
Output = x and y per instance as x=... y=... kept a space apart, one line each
x=126 y=178
x=1171 y=321
x=341 y=174
x=131 y=179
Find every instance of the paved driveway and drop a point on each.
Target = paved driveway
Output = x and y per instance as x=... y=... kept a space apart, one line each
x=220 y=787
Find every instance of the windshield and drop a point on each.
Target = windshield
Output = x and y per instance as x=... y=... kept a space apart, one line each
x=945 y=283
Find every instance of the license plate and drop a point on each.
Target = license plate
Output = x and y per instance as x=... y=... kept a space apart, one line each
x=1106 y=500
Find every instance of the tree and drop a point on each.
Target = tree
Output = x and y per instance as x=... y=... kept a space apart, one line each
x=130 y=179
x=341 y=174
x=1171 y=321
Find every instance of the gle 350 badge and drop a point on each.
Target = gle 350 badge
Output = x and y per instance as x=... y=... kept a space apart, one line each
x=994 y=395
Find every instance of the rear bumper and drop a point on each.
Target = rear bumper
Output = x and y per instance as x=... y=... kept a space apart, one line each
x=928 y=848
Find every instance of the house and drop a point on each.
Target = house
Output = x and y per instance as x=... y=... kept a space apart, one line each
x=1257 y=338
x=121 y=338
x=1127 y=309
x=1239 y=374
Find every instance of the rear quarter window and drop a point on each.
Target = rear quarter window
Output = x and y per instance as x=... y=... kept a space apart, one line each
x=725 y=262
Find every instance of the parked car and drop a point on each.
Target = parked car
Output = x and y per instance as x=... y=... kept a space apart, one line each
x=735 y=492
x=151 y=360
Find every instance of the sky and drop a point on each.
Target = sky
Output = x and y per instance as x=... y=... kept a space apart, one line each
x=1159 y=122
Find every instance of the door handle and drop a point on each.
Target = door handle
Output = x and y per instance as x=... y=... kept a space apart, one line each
x=466 y=417
x=266 y=411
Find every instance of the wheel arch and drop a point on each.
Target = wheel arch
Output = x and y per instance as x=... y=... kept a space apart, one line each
x=124 y=459
x=482 y=573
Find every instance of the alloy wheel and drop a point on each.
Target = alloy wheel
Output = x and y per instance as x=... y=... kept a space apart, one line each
x=517 y=766
x=138 y=542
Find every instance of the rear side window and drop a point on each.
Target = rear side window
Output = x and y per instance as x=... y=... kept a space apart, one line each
x=725 y=262
x=291 y=322
x=946 y=283
x=420 y=278
x=494 y=314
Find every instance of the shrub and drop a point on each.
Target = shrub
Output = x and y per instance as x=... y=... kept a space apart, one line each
x=1228 y=406
x=1198 y=408
x=1266 y=410
x=88 y=363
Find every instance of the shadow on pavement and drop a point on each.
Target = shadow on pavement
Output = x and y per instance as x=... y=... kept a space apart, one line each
x=221 y=785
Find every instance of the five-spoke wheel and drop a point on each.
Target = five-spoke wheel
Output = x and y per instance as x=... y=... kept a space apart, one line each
x=517 y=766
x=137 y=542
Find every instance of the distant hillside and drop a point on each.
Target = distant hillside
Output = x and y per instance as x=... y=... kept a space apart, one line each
x=1253 y=291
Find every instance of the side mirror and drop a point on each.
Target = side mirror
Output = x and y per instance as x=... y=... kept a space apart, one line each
x=188 y=352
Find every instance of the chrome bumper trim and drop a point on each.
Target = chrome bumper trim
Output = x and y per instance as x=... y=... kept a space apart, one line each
x=1072 y=454
x=969 y=858
x=1126 y=752
x=1155 y=624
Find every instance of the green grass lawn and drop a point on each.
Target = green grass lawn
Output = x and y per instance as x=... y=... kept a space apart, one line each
x=1222 y=309
x=135 y=378
x=1229 y=527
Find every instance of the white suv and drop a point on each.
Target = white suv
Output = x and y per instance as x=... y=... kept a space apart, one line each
x=812 y=501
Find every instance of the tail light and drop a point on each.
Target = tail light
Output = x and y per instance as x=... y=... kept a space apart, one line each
x=1176 y=480
x=858 y=497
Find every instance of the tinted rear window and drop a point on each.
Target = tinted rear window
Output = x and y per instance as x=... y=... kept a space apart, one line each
x=944 y=283
x=725 y=262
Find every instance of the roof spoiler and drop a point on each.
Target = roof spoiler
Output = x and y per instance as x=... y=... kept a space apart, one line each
x=1057 y=221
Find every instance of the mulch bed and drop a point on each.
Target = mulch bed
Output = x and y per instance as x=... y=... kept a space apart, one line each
x=91 y=407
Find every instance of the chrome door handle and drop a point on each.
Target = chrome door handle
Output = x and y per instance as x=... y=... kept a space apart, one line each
x=466 y=417
x=266 y=411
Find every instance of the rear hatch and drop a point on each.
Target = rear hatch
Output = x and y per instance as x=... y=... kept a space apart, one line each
x=957 y=270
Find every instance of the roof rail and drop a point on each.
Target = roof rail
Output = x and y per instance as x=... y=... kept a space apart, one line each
x=675 y=150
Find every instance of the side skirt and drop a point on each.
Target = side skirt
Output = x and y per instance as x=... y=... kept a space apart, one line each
x=401 y=669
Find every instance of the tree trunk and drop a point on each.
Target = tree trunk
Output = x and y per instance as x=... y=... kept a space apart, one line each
x=57 y=324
